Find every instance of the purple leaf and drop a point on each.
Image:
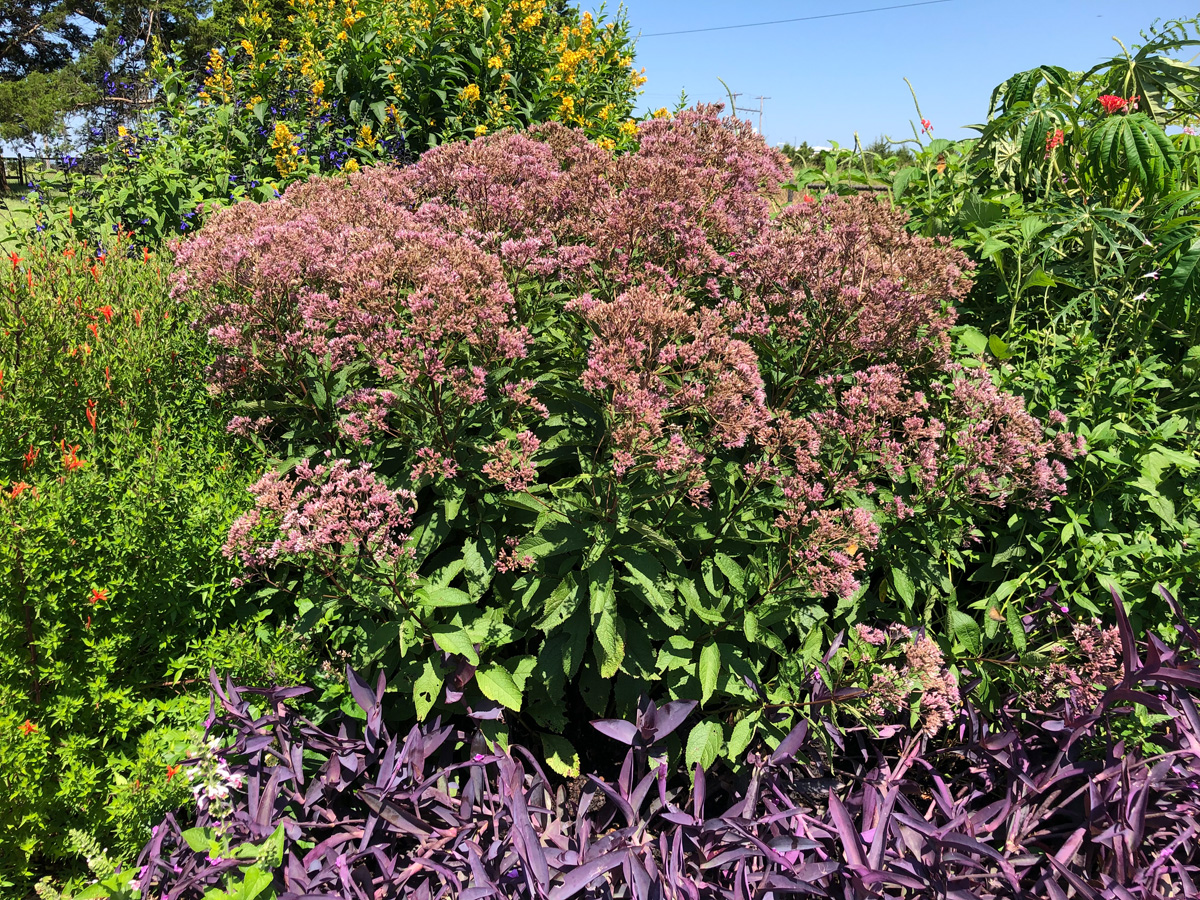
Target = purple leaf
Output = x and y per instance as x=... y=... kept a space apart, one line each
x=671 y=716
x=580 y=878
x=617 y=729
x=1129 y=655
x=847 y=832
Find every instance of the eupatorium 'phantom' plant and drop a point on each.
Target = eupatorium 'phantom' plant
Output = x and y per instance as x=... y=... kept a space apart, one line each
x=650 y=438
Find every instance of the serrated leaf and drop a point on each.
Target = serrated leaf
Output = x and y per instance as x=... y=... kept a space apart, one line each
x=609 y=644
x=966 y=631
x=496 y=684
x=560 y=755
x=426 y=689
x=743 y=734
x=452 y=639
x=704 y=744
x=708 y=668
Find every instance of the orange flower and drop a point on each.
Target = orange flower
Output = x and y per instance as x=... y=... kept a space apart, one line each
x=31 y=456
x=145 y=254
x=98 y=594
x=92 y=325
x=16 y=260
x=18 y=489
x=90 y=412
x=137 y=316
x=95 y=272
x=172 y=771
x=28 y=728
x=107 y=312
x=70 y=461
x=70 y=213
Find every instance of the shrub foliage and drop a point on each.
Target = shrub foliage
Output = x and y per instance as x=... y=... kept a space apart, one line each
x=1018 y=809
x=599 y=426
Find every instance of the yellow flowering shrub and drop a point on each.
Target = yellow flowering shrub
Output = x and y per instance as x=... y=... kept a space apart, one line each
x=334 y=85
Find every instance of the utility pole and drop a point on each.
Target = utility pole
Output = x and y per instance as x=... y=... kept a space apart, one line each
x=734 y=109
x=760 y=100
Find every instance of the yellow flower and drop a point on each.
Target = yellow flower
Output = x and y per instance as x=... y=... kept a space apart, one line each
x=122 y=131
x=628 y=128
x=350 y=166
x=495 y=63
x=567 y=107
x=469 y=94
x=662 y=113
x=248 y=47
x=606 y=143
x=480 y=130
x=318 y=87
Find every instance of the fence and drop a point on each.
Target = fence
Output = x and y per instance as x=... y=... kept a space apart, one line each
x=16 y=171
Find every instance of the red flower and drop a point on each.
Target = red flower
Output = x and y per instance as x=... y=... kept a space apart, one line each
x=1053 y=139
x=107 y=312
x=70 y=461
x=28 y=728
x=172 y=771
x=18 y=489
x=98 y=594
x=145 y=254
x=807 y=198
x=14 y=259
x=92 y=327
x=1111 y=103
x=31 y=456
x=926 y=126
x=95 y=272
x=70 y=214
x=90 y=412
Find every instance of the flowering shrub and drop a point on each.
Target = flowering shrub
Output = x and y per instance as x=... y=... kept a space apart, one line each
x=331 y=87
x=654 y=439
x=1016 y=810
x=117 y=489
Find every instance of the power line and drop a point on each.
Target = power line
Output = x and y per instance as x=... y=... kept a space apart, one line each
x=854 y=12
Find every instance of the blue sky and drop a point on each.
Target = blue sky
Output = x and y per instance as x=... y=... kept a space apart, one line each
x=828 y=78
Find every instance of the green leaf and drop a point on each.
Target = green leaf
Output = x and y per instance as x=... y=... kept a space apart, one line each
x=1015 y=628
x=966 y=631
x=708 y=668
x=199 y=839
x=902 y=180
x=609 y=645
x=974 y=340
x=904 y=587
x=560 y=755
x=999 y=348
x=560 y=605
x=704 y=744
x=732 y=572
x=426 y=689
x=452 y=639
x=743 y=734
x=436 y=596
x=496 y=684
x=255 y=880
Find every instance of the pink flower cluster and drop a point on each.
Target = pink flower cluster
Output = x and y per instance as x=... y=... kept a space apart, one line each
x=331 y=513
x=1082 y=681
x=513 y=467
x=924 y=674
x=809 y=351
